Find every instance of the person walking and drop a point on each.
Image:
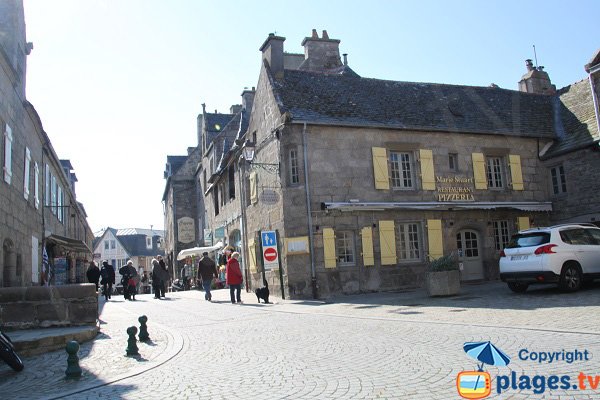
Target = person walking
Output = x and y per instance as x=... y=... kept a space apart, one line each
x=129 y=280
x=207 y=270
x=156 y=278
x=234 y=278
x=165 y=276
x=93 y=274
x=108 y=278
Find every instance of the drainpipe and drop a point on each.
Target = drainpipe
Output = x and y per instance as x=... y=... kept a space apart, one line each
x=309 y=214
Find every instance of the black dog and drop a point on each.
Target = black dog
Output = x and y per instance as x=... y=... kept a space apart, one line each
x=263 y=293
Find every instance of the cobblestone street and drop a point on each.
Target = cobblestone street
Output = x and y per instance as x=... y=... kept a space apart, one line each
x=377 y=346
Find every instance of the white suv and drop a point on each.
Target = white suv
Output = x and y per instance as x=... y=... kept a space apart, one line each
x=564 y=254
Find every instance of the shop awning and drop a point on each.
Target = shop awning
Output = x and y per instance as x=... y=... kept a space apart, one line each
x=435 y=205
x=197 y=251
x=69 y=243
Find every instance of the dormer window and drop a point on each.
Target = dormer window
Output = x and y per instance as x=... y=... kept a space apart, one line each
x=148 y=242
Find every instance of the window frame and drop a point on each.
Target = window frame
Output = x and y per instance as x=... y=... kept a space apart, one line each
x=27 y=173
x=501 y=234
x=36 y=183
x=405 y=241
x=453 y=162
x=558 y=180
x=345 y=248
x=496 y=177
x=294 y=170
x=7 y=166
x=397 y=167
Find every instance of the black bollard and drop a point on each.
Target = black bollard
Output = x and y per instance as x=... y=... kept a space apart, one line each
x=144 y=337
x=132 y=349
x=73 y=368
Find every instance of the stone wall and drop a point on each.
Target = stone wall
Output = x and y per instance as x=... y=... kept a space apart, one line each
x=48 y=306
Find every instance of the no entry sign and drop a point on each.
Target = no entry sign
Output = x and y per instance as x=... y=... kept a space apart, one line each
x=270 y=254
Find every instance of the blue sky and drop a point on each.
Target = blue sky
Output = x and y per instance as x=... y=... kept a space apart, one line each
x=118 y=84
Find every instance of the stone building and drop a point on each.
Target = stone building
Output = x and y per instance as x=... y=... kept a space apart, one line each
x=366 y=180
x=39 y=210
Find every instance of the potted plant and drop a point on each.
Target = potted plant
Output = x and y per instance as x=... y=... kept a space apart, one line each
x=443 y=276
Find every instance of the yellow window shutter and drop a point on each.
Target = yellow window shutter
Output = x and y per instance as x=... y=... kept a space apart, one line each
x=387 y=239
x=329 y=247
x=367 y=246
x=515 y=171
x=252 y=255
x=380 y=168
x=434 y=234
x=427 y=172
x=253 y=187
x=523 y=223
x=479 y=171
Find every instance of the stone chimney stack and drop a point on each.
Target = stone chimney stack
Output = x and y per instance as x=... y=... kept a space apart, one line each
x=248 y=99
x=536 y=80
x=272 y=53
x=321 y=54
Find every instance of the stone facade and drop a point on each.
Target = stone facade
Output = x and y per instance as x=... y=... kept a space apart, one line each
x=38 y=206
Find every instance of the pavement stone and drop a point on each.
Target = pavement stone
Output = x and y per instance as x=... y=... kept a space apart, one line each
x=402 y=345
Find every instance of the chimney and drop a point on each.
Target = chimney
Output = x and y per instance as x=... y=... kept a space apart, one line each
x=536 y=80
x=321 y=54
x=248 y=99
x=235 y=108
x=345 y=59
x=272 y=53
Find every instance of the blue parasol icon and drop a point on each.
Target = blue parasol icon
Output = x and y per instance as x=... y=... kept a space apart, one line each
x=487 y=353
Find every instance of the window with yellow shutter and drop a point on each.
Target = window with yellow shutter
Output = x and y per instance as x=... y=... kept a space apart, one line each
x=427 y=171
x=380 y=168
x=516 y=174
x=434 y=237
x=367 y=246
x=329 y=248
x=479 y=171
x=253 y=187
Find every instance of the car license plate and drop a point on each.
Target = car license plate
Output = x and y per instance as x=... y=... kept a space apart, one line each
x=518 y=258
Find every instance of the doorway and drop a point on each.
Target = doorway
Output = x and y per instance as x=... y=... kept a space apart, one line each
x=469 y=255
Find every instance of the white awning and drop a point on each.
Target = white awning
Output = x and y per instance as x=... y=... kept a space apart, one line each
x=435 y=205
x=197 y=251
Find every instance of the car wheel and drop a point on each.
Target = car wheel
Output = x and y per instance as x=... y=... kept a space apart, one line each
x=570 y=278
x=517 y=287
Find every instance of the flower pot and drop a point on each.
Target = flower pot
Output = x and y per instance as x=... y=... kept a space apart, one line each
x=443 y=283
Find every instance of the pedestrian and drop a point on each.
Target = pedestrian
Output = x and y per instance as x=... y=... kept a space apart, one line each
x=128 y=280
x=144 y=282
x=108 y=279
x=207 y=270
x=156 y=278
x=93 y=274
x=234 y=278
x=165 y=276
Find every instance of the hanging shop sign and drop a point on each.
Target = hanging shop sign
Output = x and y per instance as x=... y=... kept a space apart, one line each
x=185 y=230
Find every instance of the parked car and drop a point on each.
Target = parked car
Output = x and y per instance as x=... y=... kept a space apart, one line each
x=565 y=254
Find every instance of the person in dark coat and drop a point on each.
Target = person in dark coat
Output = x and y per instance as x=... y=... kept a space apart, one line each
x=234 y=278
x=156 y=278
x=129 y=280
x=165 y=277
x=93 y=274
x=207 y=270
x=108 y=278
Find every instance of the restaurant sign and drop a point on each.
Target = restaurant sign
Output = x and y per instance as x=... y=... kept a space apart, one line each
x=454 y=188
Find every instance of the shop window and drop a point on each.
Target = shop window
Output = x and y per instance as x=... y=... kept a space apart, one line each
x=501 y=234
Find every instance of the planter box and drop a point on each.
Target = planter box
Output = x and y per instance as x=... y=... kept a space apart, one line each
x=443 y=283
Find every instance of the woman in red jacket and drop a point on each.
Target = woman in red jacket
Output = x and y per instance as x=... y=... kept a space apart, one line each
x=233 y=276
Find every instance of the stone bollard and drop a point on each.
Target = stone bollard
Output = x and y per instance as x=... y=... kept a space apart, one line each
x=73 y=368
x=144 y=337
x=132 y=349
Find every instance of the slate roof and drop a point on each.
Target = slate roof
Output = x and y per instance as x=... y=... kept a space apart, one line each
x=176 y=162
x=354 y=101
x=215 y=124
x=576 y=126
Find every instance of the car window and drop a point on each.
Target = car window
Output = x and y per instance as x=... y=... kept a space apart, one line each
x=576 y=236
x=595 y=234
x=528 y=239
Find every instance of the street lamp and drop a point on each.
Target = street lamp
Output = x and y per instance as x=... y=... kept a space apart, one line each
x=248 y=152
